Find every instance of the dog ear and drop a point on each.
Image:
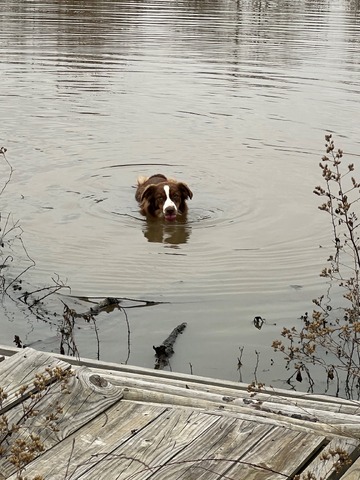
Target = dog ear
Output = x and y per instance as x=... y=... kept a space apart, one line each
x=148 y=192
x=185 y=191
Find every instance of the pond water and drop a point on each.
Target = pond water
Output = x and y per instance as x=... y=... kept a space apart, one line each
x=232 y=97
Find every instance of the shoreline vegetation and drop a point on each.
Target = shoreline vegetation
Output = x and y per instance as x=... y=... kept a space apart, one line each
x=325 y=340
x=328 y=338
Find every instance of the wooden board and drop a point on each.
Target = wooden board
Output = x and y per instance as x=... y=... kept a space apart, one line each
x=77 y=453
x=324 y=465
x=87 y=397
x=206 y=383
x=276 y=454
x=268 y=397
x=167 y=435
x=353 y=473
x=20 y=370
x=107 y=431
x=196 y=445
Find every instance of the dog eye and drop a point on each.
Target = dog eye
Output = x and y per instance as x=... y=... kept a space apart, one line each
x=176 y=196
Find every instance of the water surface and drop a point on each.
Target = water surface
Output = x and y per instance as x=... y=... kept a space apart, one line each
x=233 y=98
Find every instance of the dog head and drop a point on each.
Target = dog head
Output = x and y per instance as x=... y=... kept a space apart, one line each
x=166 y=199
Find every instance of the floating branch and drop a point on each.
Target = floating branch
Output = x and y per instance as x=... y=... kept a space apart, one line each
x=108 y=304
x=164 y=351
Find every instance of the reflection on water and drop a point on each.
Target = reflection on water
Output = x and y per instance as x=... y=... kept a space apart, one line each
x=160 y=231
x=238 y=42
x=233 y=96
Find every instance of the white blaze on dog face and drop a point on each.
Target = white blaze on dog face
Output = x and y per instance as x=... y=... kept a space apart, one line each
x=168 y=202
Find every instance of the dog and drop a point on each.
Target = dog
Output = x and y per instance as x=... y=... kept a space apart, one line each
x=161 y=197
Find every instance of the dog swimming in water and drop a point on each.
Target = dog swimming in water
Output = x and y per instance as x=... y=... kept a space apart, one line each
x=162 y=197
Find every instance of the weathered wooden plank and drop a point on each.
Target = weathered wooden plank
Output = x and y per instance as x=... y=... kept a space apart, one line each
x=284 y=451
x=20 y=370
x=205 y=382
x=158 y=442
x=354 y=471
x=213 y=455
x=221 y=386
x=325 y=465
x=195 y=382
x=276 y=455
x=86 y=397
x=308 y=412
x=180 y=452
x=267 y=399
x=78 y=452
x=127 y=440
x=243 y=412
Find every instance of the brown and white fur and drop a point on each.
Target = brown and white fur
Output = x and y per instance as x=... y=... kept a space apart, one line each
x=161 y=197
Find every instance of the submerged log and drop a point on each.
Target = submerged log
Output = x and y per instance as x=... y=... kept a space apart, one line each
x=108 y=303
x=164 y=351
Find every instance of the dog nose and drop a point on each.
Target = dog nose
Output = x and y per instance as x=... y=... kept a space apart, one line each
x=170 y=213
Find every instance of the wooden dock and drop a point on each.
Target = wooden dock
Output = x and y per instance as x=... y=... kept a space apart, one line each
x=128 y=423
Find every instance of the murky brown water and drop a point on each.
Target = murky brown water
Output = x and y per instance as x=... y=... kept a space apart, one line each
x=232 y=97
